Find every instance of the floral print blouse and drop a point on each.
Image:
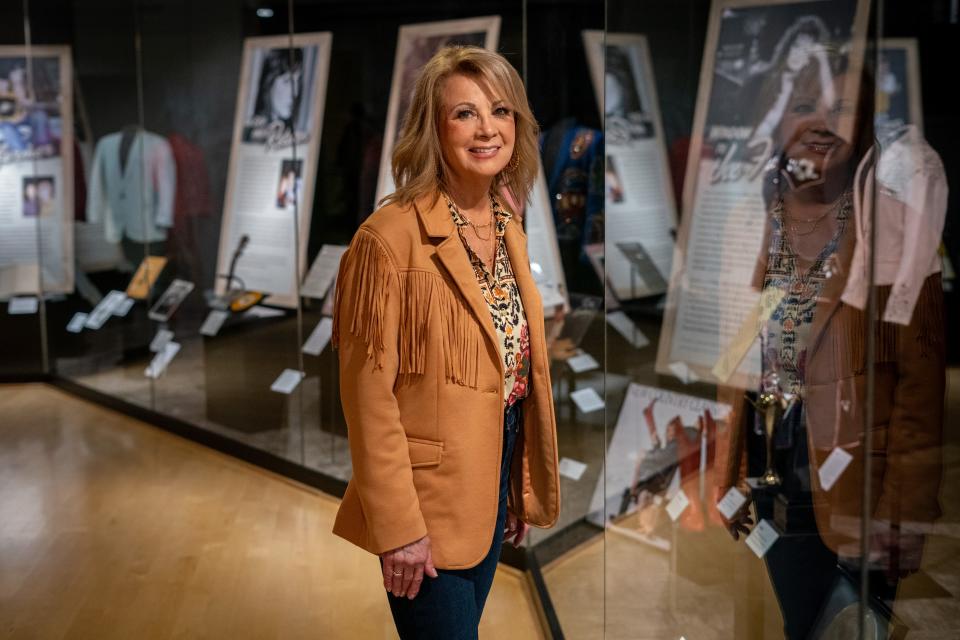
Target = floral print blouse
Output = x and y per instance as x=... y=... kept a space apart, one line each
x=502 y=295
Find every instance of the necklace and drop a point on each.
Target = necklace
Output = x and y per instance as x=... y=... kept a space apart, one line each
x=795 y=230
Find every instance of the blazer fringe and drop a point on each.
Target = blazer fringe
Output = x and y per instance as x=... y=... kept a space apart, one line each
x=372 y=271
x=422 y=294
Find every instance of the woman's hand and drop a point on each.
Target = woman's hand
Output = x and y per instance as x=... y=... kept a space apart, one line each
x=516 y=529
x=403 y=568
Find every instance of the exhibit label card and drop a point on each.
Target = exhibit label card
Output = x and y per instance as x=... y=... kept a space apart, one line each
x=319 y=337
x=287 y=381
x=677 y=505
x=215 y=319
x=323 y=271
x=160 y=361
x=104 y=309
x=163 y=337
x=625 y=327
x=23 y=305
x=831 y=469
x=582 y=362
x=683 y=373
x=587 y=400
x=77 y=322
x=762 y=538
x=732 y=501
x=170 y=301
x=122 y=308
x=573 y=469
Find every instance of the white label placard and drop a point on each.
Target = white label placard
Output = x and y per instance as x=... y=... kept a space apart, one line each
x=122 y=308
x=319 y=338
x=677 y=505
x=731 y=503
x=683 y=373
x=23 y=305
x=287 y=381
x=163 y=337
x=582 y=363
x=160 y=361
x=263 y=312
x=625 y=327
x=573 y=469
x=835 y=464
x=322 y=272
x=587 y=400
x=104 y=309
x=76 y=322
x=215 y=319
x=762 y=538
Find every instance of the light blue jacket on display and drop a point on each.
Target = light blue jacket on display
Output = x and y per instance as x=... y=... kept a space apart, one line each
x=133 y=198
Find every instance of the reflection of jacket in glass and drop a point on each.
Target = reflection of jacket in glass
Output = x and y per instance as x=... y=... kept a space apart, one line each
x=908 y=398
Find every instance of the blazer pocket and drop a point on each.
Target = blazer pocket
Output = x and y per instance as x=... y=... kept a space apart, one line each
x=424 y=453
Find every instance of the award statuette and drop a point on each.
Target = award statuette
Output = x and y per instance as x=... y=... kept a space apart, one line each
x=773 y=405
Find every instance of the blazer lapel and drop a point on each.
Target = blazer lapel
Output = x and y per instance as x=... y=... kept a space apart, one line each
x=833 y=287
x=438 y=223
x=517 y=250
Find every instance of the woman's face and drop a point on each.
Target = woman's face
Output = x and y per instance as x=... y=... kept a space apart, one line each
x=817 y=133
x=282 y=94
x=477 y=129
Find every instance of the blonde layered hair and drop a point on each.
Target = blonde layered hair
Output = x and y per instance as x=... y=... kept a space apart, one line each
x=419 y=167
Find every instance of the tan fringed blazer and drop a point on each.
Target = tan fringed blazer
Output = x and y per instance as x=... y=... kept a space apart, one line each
x=421 y=384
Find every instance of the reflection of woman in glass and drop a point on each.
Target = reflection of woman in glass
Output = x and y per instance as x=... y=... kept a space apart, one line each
x=801 y=45
x=814 y=362
x=281 y=81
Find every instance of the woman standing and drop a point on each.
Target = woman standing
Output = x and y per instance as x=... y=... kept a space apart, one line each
x=445 y=379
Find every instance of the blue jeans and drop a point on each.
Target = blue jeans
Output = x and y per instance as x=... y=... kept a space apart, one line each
x=449 y=606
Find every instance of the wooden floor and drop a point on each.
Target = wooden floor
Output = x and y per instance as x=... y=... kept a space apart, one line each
x=110 y=528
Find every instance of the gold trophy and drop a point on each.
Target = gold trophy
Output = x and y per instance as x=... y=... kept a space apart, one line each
x=773 y=405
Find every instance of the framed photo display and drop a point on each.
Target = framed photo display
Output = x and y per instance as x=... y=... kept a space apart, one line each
x=640 y=211
x=755 y=51
x=273 y=162
x=36 y=170
x=416 y=44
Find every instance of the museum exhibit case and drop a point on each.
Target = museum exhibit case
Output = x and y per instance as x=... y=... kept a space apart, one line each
x=741 y=233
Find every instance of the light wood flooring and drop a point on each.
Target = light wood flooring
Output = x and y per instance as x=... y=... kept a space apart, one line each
x=110 y=528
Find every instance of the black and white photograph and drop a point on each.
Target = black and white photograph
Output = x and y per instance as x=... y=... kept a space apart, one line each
x=281 y=95
x=625 y=106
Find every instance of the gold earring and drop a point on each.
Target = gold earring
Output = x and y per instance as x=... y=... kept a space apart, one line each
x=514 y=163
